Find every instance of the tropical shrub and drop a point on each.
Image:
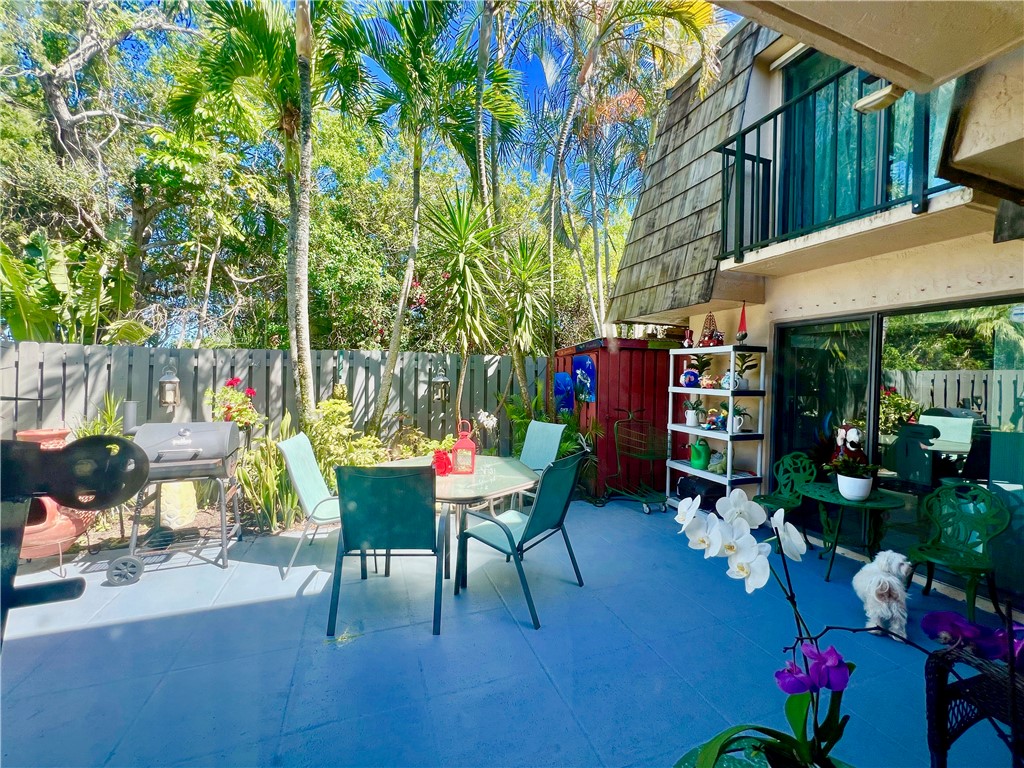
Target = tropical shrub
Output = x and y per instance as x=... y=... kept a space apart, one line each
x=895 y=410
x=264 y=479
x=230 y=403
x=337 y=443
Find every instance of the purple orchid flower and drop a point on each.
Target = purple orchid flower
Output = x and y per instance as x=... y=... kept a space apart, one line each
x=951 y=628
x=793 y=680
x=828 y=669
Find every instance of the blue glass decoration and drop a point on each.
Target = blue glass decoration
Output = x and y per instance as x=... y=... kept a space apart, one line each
x=584 y=375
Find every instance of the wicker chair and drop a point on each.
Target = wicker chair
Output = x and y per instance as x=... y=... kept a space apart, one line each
x=956 y=703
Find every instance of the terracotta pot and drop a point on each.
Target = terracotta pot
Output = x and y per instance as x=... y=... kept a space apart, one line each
x=48 y=439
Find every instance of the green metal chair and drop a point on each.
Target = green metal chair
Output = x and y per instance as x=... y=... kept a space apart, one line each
x=389 y=508
x=791 y=471
x=964 y=518
x=317 y=502
x=513 y=533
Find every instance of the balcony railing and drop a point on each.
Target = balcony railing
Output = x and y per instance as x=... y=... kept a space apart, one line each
x=816 y=162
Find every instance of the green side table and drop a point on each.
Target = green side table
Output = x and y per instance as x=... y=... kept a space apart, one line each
x=874 y=510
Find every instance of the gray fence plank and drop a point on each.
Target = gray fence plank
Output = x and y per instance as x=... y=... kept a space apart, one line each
x=275 y=389
x=97 y=378
x=52 y=401
x=74 y=384
x=29 y=413
x=206 y=376
x=8 y=386
x=186 y=363
x=160 y=360
x=117 y=381
x=421 y=392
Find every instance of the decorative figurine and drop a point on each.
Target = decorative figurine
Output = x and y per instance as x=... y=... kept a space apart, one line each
x=741 y=331
x=687 y=338
x=850 y=443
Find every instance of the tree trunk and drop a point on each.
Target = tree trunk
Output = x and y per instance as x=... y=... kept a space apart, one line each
x=563 y=138
x=482 y=59
x=205 y=306
x=384 y=394
x=301 y=354
x=583 y=274
x=293 y=222
x=592 y=172
x=460 y=386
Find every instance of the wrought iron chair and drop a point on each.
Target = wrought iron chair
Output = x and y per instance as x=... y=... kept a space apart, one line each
x=791 y=471
x=513 y=533
x=389 y=508
x=964 y=518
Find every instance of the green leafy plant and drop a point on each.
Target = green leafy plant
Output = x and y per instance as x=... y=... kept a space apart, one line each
x=696 y=405
x=409 y=441
x=895 y=410
x=746 y=362
x=337 y=443
x=850 y=467
x=737 y=409
x=107 y=420
x=702 y=364
x=264 y=479
x=231 y=403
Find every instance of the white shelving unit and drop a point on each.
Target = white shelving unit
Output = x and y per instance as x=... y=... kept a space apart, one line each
x=725 y=361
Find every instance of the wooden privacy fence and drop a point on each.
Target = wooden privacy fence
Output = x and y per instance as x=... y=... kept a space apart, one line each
x=66 y=383
x=993 y=393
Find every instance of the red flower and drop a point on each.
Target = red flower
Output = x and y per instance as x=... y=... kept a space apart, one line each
x=233 y=382
x=250 y=392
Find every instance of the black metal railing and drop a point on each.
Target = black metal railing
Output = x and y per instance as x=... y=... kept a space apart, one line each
x=816 y=162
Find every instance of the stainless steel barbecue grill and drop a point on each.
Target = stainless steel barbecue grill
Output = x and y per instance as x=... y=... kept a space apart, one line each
x=177 y=452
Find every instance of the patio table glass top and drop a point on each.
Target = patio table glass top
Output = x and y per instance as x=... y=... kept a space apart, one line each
x=494 y=477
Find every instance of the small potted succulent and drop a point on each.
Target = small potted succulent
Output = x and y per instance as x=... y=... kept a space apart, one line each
x=693 y=410
x=853 y=477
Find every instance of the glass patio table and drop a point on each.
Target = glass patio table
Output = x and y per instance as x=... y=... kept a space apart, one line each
x=495 y=477
x=873 y=510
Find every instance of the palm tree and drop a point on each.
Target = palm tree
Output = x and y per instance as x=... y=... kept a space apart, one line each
x=428 y=84
x=247 y=73
x=298 y=276
x=624 y=29
x=462 y=250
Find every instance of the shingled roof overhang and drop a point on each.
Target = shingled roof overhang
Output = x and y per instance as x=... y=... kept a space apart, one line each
x=668 y=270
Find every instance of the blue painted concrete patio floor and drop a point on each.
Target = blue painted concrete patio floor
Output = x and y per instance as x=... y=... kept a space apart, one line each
x=660 y=650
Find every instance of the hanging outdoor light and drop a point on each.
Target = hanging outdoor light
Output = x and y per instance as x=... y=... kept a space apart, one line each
x=441 y=386
x=170 y=387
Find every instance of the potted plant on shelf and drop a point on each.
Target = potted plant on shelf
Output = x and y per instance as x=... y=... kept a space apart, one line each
x=693 y=410
x=734 y=421
x=854 y=478
x=745 y=363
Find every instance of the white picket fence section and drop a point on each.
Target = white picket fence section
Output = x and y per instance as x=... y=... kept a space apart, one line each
x=65 y=383
x=993 y=393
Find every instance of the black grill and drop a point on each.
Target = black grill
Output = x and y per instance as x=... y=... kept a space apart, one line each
x=190 y=451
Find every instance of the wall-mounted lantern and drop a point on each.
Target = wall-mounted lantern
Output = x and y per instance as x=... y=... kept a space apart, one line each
x=440 y=386
x=170 y=387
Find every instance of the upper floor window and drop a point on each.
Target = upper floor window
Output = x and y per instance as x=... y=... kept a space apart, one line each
x=816 y=161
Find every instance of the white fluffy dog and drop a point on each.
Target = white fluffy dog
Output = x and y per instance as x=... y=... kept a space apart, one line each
x=882 y=587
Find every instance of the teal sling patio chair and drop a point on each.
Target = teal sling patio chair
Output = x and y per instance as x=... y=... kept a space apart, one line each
x=389 y=508
x=513 y=533
x=540 y=448
x=317 y=502
x=964 y=518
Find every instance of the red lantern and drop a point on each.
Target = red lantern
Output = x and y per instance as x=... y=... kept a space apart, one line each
x=463 y=452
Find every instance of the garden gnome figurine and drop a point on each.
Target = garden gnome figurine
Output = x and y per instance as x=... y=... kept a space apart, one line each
x=741 y=332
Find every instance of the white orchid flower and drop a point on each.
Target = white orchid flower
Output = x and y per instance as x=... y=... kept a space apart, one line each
x=755 y=571
x=687 y=511
x=699 y=531
x=792 y=543
x=732 y=539
x=736 y=505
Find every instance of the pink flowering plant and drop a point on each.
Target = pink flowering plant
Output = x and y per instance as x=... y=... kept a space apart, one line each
x=232 y=402
x=814 y=678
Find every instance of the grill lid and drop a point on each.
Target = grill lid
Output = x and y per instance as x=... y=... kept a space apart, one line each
x=188 y=443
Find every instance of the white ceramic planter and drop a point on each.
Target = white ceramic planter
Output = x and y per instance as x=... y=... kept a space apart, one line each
x=854 y=488
x=691 y=418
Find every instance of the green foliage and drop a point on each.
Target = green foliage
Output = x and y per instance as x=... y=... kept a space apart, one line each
x=850 y=467
x=696 y=405
x=337 y=443
x=410 y=441
x=746 y=362
x=232 y=403
x=107 y=420
x=895 y=410
x=263 y=477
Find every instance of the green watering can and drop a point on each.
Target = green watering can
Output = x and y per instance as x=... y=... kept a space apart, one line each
x=700 y=454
